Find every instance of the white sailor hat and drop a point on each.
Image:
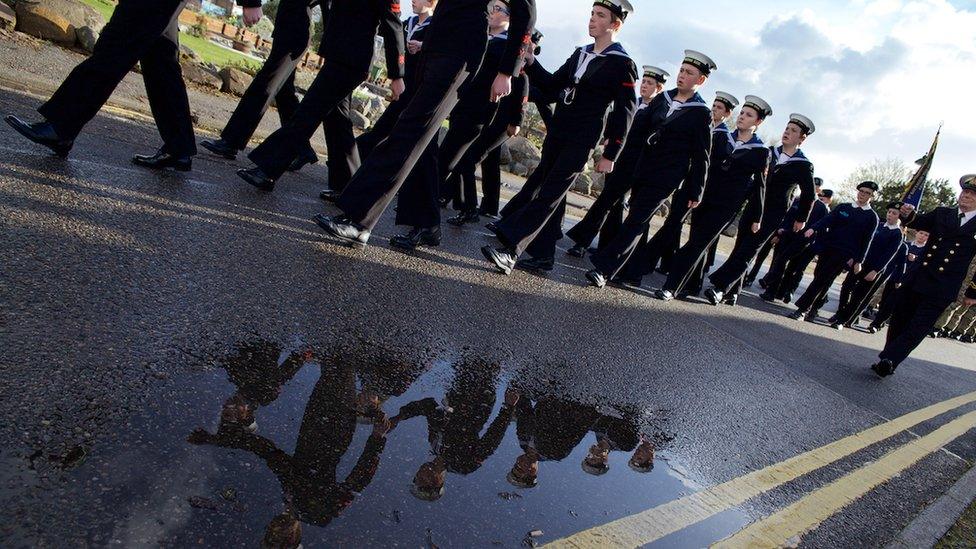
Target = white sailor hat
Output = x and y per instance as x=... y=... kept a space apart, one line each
x=656 y=73
x=730 y=101
x=700 y=61
x=968 y=182
x=620 y=8
x=759 y=104
x=805 y=123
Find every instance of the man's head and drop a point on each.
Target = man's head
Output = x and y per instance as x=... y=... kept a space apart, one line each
x=643 y=459
x=797 y=130
x=423 y=6
x=597 y=460
x=500 y=16
x=283 y=532
x=817 y=184
x=967 y=197
x=893 y=214
x=238 y=412
x=865 y=192
x=525 y=472
x=753 y=112
x=608 y=16
x=826 y=196
x=921 y=238
x=653 y=82
x=428 y=483
x=723 y=106
x=694 y=71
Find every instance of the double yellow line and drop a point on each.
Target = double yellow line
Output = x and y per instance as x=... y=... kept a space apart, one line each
x=804 y=515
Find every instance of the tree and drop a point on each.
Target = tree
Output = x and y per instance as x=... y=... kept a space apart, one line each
x=891 y=175
x=270 y=8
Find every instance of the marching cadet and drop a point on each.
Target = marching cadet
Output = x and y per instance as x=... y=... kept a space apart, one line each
x=453 y=51
x=858 y=288
x=791 y=255
x=276 y=79
x=608 y=209
x=147 y=32
x=597 y=78
x=736 y=176
x=677 y=150
x=934 y=285
x=347 y=47
x=912 y=260
x=667 y=239
x=789 y=169
x=843 y=239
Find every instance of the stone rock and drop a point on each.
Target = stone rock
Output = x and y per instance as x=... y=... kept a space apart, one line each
x=361 y=104
x=599 y=180
x=518 y=169
x=506 y=154
x=359 y=120
x=376 y=104
x=198 y=74
x=56 y=20
x=583 y=184
x=87 y=37
x=234 y=81
x=187 y=53
x=303 y=79
x=8 y=18
x=522 y=149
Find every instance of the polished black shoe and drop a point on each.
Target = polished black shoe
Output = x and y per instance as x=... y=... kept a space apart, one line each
x=663 y=295
x=536 y=264
x=489 y=215
x=837 y=326
x=463 y=218
x=418 y=236
x=788 y=298
x=578 y=250
x=329 y=195
x=833 y=319
x=811 y=317
x=596 y=278
x=968 y=339
x=731 y=300
x=767 y=296
x=762 y=284
x=747 y=283
x=257 y=178
x=162 y=160
x=797 y=315
x=492 y=226
x=503 y=260
x=625 y=282
x=220 y=148
x=713 y=296
x=872 y=329
x=304 y=159
x=41 y=133
x=883 y=368
x=343 y=230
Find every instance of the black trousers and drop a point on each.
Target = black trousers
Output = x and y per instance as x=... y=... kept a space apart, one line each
x=632 y=241
x=830 y=264
x=388 y=166
x=855 y=294
x=889 y=298
x=491 y=182
x=615 y=221
x=747 y=245
x=707 y=223
x=541 y=215
x=466 y=189
x=331 y=86
x=146 y=32
x=760 y=259
x=666 y=241
x=467 y=123
x=616 y=186
x=914 y=316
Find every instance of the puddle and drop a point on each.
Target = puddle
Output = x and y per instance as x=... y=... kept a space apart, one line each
x=281 y=446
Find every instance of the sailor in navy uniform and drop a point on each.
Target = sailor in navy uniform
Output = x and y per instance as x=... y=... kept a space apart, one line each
x=935 y=284
x=676 y=151
x=736 y=176
x=452 y=53
x=347 y=47
x=886 y=244
x=596 y=86
x=608 y=209
x=899 y=273
x=789 y=169
x=843 y=239
x=792 y=254
x=667 y=239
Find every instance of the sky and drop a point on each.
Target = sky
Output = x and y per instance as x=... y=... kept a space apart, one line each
x=877 y=77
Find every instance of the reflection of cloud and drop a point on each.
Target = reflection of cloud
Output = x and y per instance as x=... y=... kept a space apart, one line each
x=859 y=69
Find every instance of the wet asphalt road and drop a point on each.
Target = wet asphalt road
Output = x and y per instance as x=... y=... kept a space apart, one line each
x=131 y=305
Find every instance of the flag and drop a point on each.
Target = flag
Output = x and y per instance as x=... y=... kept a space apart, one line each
x=916 y=186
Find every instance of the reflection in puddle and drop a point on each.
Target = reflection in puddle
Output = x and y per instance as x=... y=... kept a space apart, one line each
x=354 y=448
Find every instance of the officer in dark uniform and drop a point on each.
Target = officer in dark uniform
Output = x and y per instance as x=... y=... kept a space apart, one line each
x=899 y=273
x=667 y=239
x=609 y=207
x=736 y=176
x=793 y=252
x=934 y=285
x=139 y=31
x=347 y=47
x=843 y=239
x=453 y=51
x=858 y=288
x=596 y=80
x=789 y=169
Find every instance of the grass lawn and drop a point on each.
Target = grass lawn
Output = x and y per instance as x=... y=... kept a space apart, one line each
x=963 y=534
x=206 y=50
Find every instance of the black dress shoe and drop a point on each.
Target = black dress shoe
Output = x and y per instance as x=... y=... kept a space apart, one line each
x=464 y=217
x=418 y=236
x=162 y=160
x=883 y=368
x=767 y=296
x=625 y=282
x=797 y=315
x=41 y=133
x=256 y=177
x=537 y=264
x=968 y=339
x=343 y=229
x=578 y=250
x=811 y=317
x=220 y=148
x=329 y=195
x=833 y=319
x=492 y=226
x=788 y=298
x=503 y=260
x=747 y=283
x=762 y=283
x=837 y=326
x=713 y=296
x=304 y=159
x=872 y=329
x=596 y=278
x=664 y=295
x=731 y=300
x=489 y=215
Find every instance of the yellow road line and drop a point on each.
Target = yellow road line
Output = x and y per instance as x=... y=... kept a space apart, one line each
x=653 y=524
x=816 y=507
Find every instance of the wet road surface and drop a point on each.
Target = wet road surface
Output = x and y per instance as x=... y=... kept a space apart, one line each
x=126 y=296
